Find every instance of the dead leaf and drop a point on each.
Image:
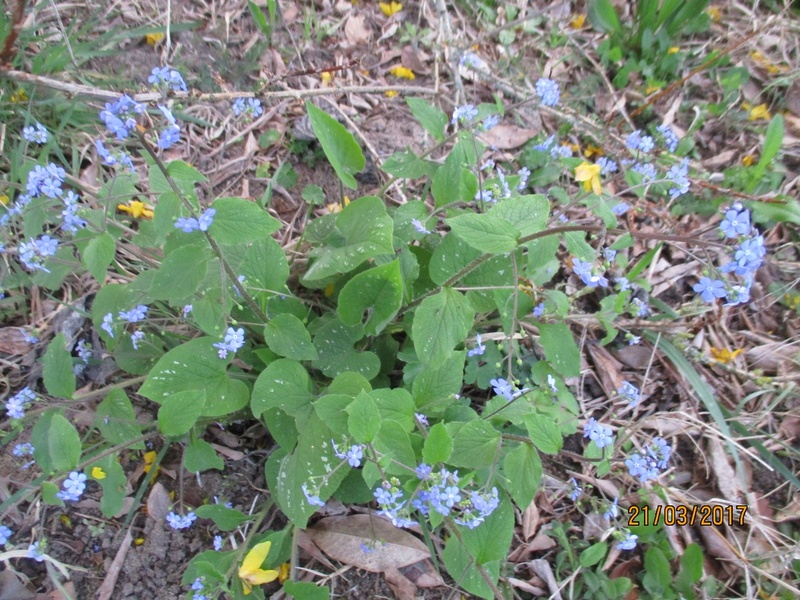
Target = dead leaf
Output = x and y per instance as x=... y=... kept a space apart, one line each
x=422 y=574
x=158 y=503
x=526 y=587
x=68 y=593
x=105 y=590
x=507 y=137
x=306 y=543
x=413 y=59
x=727 y=481
x=356 y=30
x=543 y=569
x=530 y=520
x=12 y=341
x=402 y=587
x=344 y=539
x=11 y=587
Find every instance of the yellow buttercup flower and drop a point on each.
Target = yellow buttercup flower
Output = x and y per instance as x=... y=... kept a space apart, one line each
x=390 y=8
x=715 y=13
x=251 y=572
x=19 y=96
x=724 y=355
x=589 y=174
x=402 y=72
x=759 y=112
x=390 y=93
x=326 y=78
x=592 y=150
x=3 y=199
x=98 y=473
x=153 y=38
x=748 y=160
x=137 y=209
x=673 y=50
x=578 y=21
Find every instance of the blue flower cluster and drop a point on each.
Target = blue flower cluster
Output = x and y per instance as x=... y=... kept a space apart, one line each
x=587 y=274
x=637 y=142
x=506 y=389
x=19 y=403
x=629 y=392
x=121 y=116
x=113 y=158
x=202 y=223
x=439 y=492
x=499 y=187
x=177 y=521
x=479 y=348
x=5 y=533
x=464 y=114
x=135 y=314
x=166 y=78
x=35 y=133
x=575 y=490
x=352 y=455
x=74 y=486
x=601 y=435
x=172 y=133
x=548 y=91
x=649 y=465
x=555 y=150
x=33 y=253
x=419 y=226
x=198 y=586
x=747 y=258
x=250 y=107
x=233 y=341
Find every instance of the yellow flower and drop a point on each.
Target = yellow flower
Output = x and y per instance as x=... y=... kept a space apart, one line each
x=326 y=78
x=592 y=150
x=98 y=473
x=390 y=8
x=724 y=356
x=748 y=160
x=251 y=572
x=402 y=72
x=578 y=21
x=153 y=38
x=673 y=50
x=759 y=112
x=651 y=89
x=390 y=93
x=715 y=13
x=19 y=96
x=589 y=175
x=283 y=572
x=149 y=458
x=137 y=209
x=3 y=199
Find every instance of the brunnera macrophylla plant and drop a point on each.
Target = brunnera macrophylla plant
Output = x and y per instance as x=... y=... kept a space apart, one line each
x=431 y=385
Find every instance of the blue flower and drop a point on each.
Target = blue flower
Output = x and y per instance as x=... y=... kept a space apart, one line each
x=677 y=174
x=538 y=310
x=524 y=173
x=205 y=220
x=607 y=165
x=545 y=145
x=136 y=337
x=35 y=133
x=450 y=496
x=584 y=271
x=218 y=539
x=419 y=226
x=134 y=315
x=106 y=326
x=164 y=77
x=646 y=170
x=710 y=289
x=354 y=455
x=628 y=542
x=548 y=91
x=575 y=489
x=233 y=341
x=485 y=196
x=636 y=141
x=22 y=449
x=613 y=510
x=169 y=136
x=313 y=500
x=74 y=486
x=735 y=223
x=670 y=139
x=489 y=122
x=36 y=551
x=250 y=107
x=629 y=392
x=423 y=471
x=5 y=533
x=421 y=419
x=198 y=585
x=464 y=114
x=621 y=208
x=601 y=435
x=120 y=116
x=479 y=349
x=177 y=521
x=19 y=402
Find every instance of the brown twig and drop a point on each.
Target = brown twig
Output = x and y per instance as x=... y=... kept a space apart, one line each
x=8 y=47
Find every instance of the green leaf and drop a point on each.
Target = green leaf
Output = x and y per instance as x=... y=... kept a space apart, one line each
x=195 y=365
x=603 y=17
x=394 y=444
x=340 y=146
x=226 y=519
x=434 y=387
x=201 y=456
x=432 y=119
x=395 y=405
x=113 y=484
x=286 y=335
x=260 y=18
x=451 y=255
x=560 y=348
x=239 y=221
x=773 y=139
x=179 y=412
x=441 y=322
x=59 y=378
x=528 y=214
x=692 y=563
x=364 y=230
x=453 y=182
x=544 y=433
x=179 y=275
x=593 y=554
x=461 y=566
x=56 y=443
x=379 y=291
x=474 y=444
x=334 y=343
x=115 y=419
x=283 y=384
x=364 y=420
x=658 y=572
x=98 y=255
x=306 y=591
x=331 y=409
x=523 y=471
x=438 y=445
x=50 y=494
x=487 y=233
x=408 y=165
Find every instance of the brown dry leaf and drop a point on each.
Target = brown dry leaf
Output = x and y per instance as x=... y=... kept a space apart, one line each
x=717 y=546
x=507 y=137
x=634 y=357
x=305 y=543
x=341 y=538
x=772 y=356
x=727 y=481
x=723 y=159
x=356 y=30
x=11 y=587
x=791 y=512
x=158 y=502
x=107 y=588
x=68 y=594
x=12 y=341
x=402 y=587
x=530 y=521
x=607 y=367
x=229 y=452
x=422 y=574
x=525 y=586
x=543 y=569
x=415 y=60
